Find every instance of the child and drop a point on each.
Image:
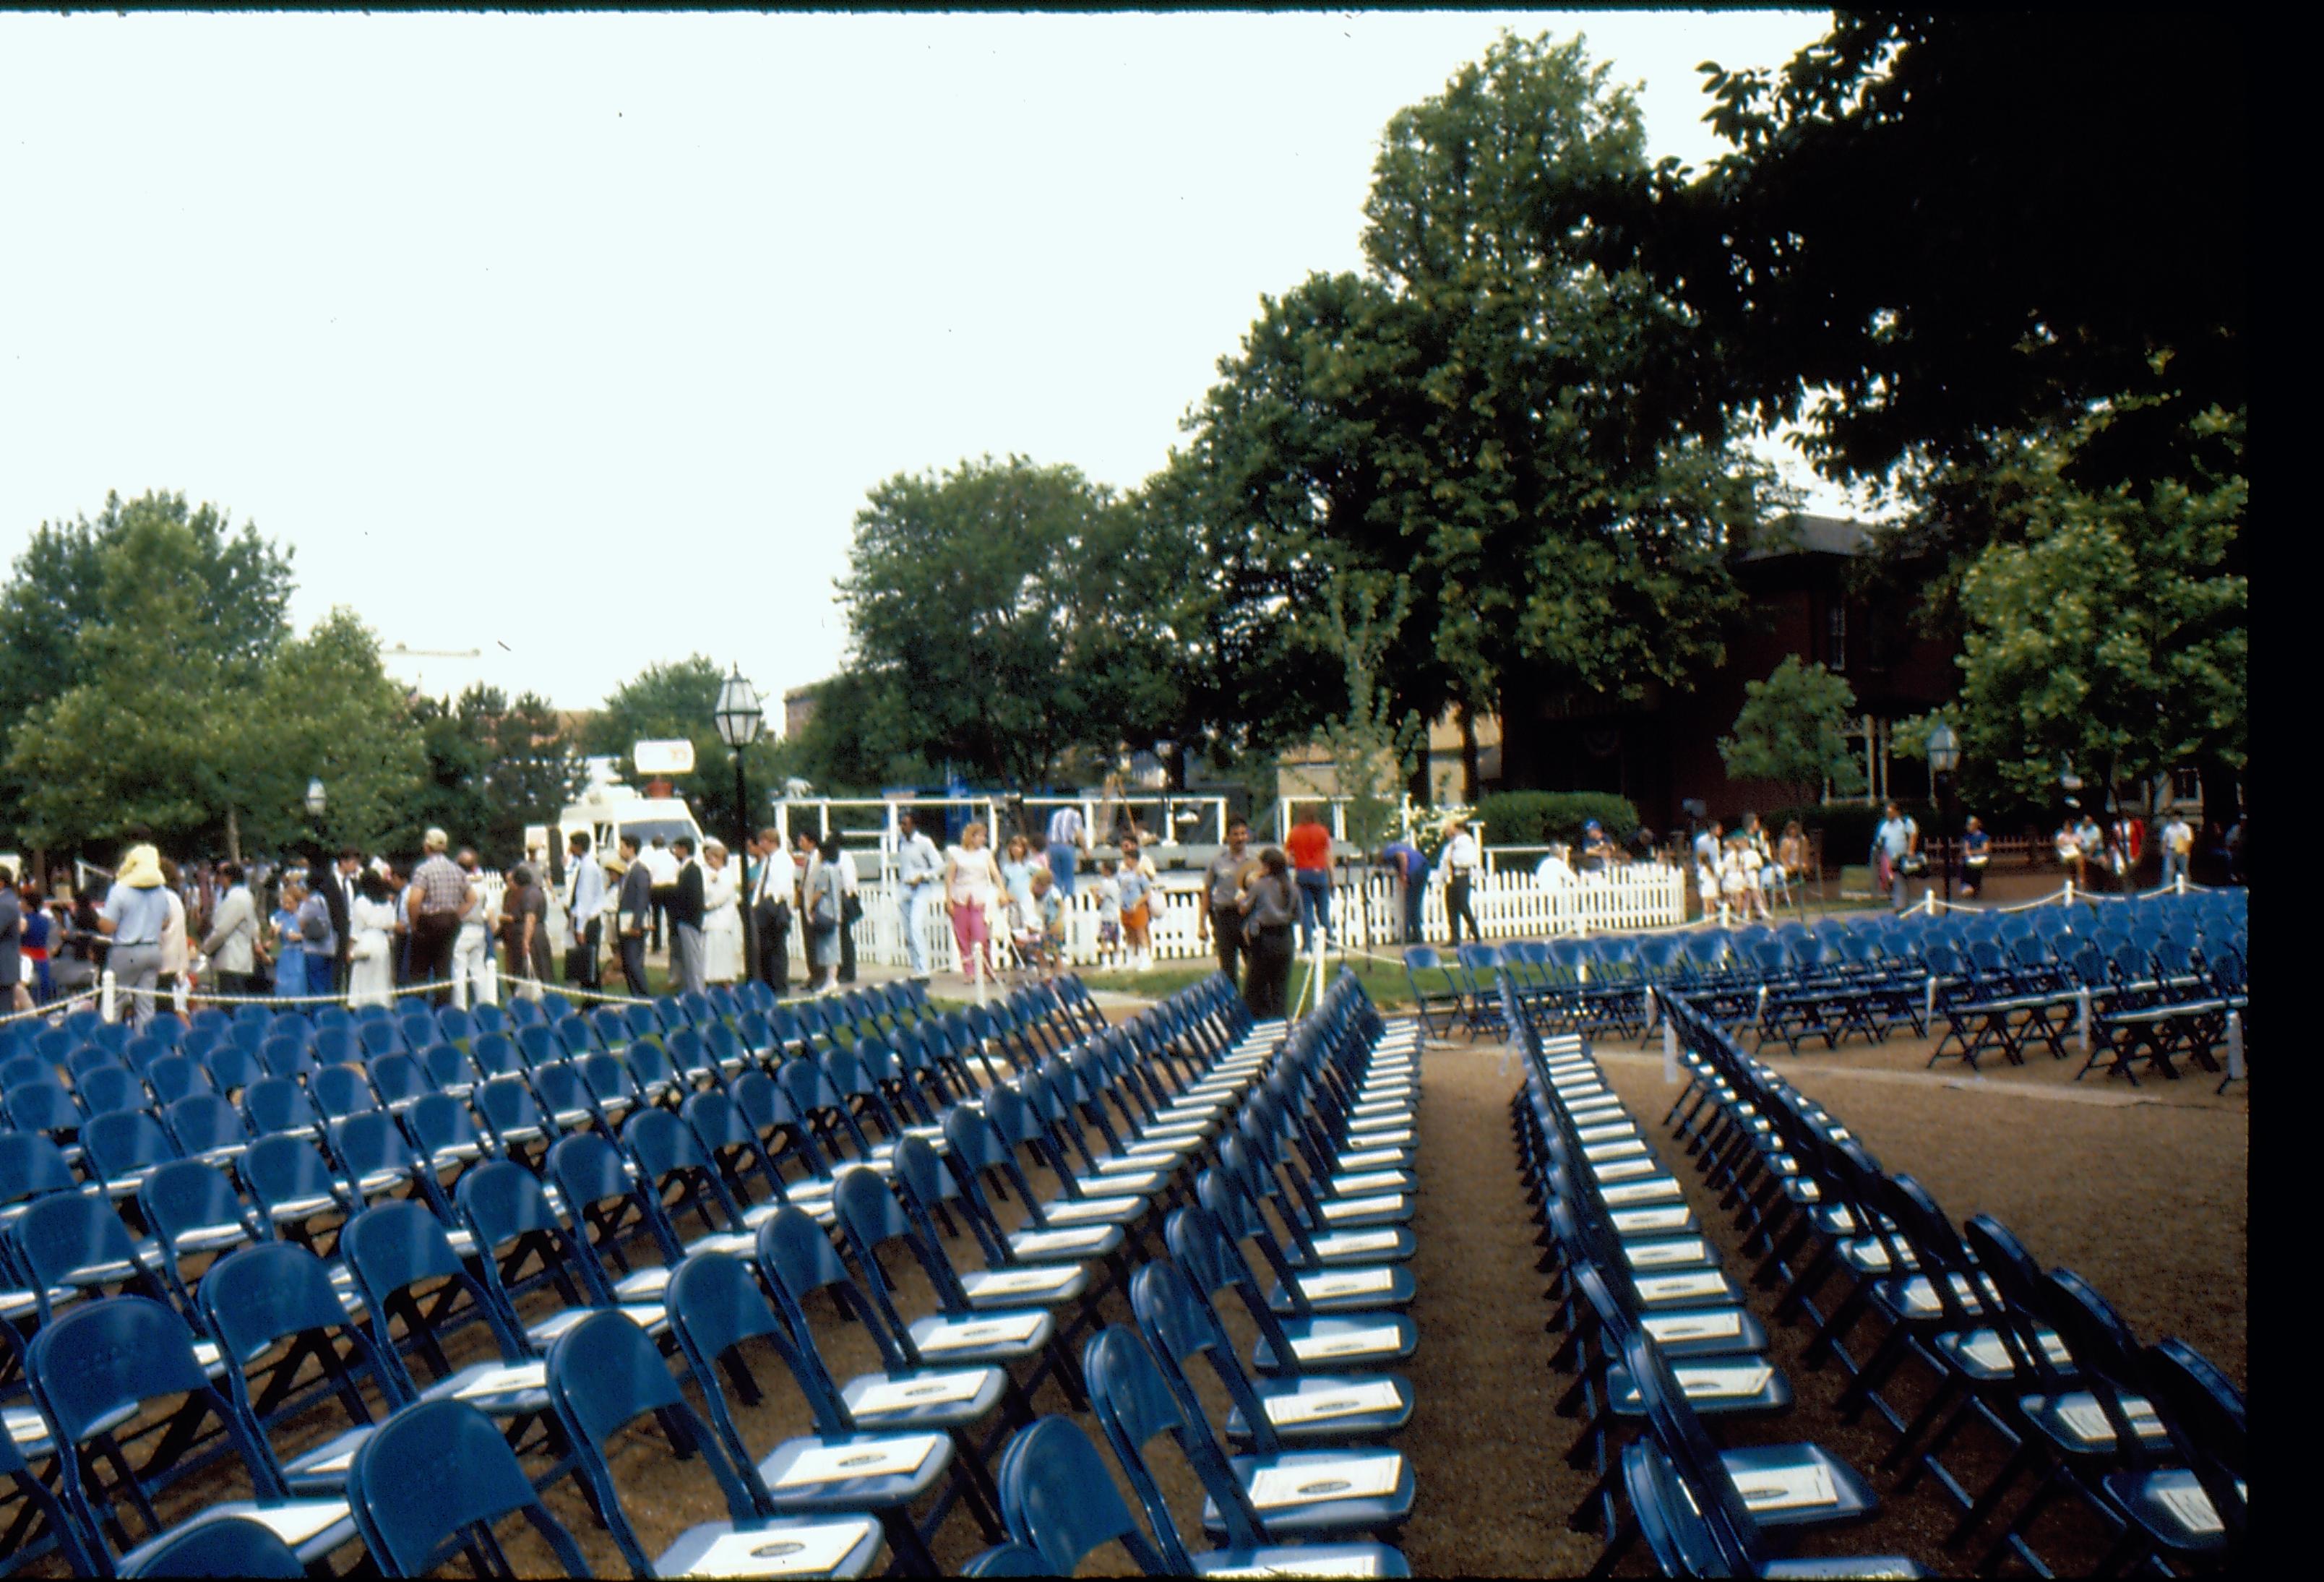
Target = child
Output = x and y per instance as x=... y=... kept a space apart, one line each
x=1137 y=914
x=1108 y=916
x=1049 y=948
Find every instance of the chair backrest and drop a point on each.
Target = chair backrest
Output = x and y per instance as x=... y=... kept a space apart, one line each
x=715 y=1306
x=1058 y=1500
x=31 y=1166
x=1134 y=1406
x=1179 y=1325
x=1679 y=1435
x=2205 y=1414
x=429 y=1478
x=604 y=1374
x=278 y=1104
x=64 y=1233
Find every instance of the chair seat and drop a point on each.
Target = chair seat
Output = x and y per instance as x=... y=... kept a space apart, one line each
x=1981 y=1356
x=1385 y=1243
x=1023 y=1283
x=1339 y=1340
x=323 y=1470
x=1645 y=1222
x=2078 y=1426
x=312 y=1528
x=651 y=1317
x=987 y=1338
x=721 y=1548
x=1342 y=1290
x=1356 y=1407
x=1325 y=1512
x=1138 y=1177
x=1069 y=1243
x=1306 y=1560
x=1707 y=1332
x=1372 y=1209
x=497 y=1388
x=2172 y=1508
x=886 y=1401
x=1713 y=1386
x=1838 y=1565
x=1108 y=1210
x=1652 y=1254
x=896 y=1470
x=1691 y=1288
x=1365 y=1182
x=1914 y=1299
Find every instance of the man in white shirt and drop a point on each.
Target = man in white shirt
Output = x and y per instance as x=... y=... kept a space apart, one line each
x=472 y=946
x=2178 y=841
x=1460 y=862
x=1067 y=836
x=1896 y=838
x=661 y=869
x=585 y=911
x=919 y=874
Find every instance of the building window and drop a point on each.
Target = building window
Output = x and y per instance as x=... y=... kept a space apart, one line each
x=2186 y=785
x=1835 y=636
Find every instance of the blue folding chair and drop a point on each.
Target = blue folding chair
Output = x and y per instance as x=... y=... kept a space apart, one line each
x=1135 y=1406
x=98 y=1367
x=429 y=1482
x=603 y=1377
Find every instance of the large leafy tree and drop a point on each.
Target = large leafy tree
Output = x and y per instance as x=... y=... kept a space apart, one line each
x=226 y=593
x=1487 y=417
x=664 y=702
x=987 y=609
x=2110 y=624
x=326 y=709
x=1934 y=227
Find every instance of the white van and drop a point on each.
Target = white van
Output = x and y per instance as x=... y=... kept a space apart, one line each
x=608 y=810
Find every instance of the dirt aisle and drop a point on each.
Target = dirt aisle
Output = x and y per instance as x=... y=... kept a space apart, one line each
x=1484 y=1440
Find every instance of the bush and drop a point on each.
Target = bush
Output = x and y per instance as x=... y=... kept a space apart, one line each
x=1548 y=818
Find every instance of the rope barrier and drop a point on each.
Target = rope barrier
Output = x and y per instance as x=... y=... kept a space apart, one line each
x=54 y=1008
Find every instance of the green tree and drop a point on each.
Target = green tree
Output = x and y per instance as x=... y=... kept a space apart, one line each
x=1794 y=730
x=986 y=606
x=664 y=702
x=1884 y=257
x=227 y=594
x=326 y=709
x=1482 y=417
x=2106 y=623
x=493 y=767
x=1372 y=751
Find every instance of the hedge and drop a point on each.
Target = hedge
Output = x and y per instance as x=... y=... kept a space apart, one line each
x=1546 y=818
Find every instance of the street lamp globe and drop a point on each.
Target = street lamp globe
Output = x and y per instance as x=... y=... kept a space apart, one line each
x=737 y=713
x=315 y=797
x=1945 y=749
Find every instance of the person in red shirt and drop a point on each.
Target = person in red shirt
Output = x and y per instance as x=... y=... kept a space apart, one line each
x=1309 y=846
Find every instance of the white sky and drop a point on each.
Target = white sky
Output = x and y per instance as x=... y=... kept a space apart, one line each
x=579 y=338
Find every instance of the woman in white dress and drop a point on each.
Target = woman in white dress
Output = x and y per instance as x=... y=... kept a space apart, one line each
x=371 y=951
x=722 y=918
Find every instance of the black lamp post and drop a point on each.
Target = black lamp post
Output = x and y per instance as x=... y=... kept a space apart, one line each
x=1944 y=758
x=740 y=720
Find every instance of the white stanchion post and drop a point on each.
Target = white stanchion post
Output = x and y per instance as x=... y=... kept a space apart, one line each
x=2066 y=896
x=106 y=1008
x=1670 y=1054
x=1928 y=901
x=1929 y=1001
x=1722 y=912
x=2178 y=883
x=2082 y=1011
x=2235 y=1046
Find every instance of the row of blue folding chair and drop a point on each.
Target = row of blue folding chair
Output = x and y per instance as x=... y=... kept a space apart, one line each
x=1656 y=1333
x=2042 y=1361
x=415 y=1211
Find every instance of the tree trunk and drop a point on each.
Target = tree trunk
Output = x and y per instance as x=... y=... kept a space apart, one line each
x=2220 y=807
x=1469 y=769
x=233 y=836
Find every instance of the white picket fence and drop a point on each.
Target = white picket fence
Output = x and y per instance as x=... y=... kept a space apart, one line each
x=1366 y=914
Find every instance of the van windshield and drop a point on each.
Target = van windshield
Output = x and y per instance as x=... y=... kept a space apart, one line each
x=646 y=829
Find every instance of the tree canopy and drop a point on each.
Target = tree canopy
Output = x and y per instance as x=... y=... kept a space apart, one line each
x=664 y=702
x=1934 y=228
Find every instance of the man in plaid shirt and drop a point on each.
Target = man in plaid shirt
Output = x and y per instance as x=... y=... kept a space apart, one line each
x=440 y=897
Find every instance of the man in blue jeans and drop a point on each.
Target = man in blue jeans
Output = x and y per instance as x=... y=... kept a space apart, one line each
x=1410 y=866
x=1896 y=837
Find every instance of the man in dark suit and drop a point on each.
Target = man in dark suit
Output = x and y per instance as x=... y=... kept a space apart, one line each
x=771 y=885
x=338 y=886
x=687 y=964
x=635 y=916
